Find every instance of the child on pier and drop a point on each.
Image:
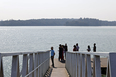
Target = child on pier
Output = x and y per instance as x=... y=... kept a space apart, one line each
x=52 y=56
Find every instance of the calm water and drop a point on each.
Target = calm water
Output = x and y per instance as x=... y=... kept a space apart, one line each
x=15 y=39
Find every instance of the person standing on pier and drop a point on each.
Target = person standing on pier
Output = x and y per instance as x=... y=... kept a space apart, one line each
x=89 y=49
x=60 y=52
x=52 y=56
x=77 y=47
x=62 y=58
x=66 y=49
x=94 y=47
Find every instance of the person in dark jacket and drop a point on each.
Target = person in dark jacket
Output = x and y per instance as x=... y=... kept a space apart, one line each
x=94 y=47
x=60 y=52
x=66 y=49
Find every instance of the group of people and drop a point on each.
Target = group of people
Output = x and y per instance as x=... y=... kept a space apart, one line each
x=62 y=50
x=76 y=48
x=94 y=48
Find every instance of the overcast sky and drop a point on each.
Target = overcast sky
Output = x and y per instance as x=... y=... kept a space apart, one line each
x=36 y=9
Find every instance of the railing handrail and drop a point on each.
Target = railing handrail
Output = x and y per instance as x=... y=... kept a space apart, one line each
x=36 y=68
x=19 y=53
x=92 y=53
x=78 y=64
x=32 y=63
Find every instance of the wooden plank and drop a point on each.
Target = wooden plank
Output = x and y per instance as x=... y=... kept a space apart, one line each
x=58 y=71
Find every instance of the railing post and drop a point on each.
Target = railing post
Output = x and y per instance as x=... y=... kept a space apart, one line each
x=78 y=65
x=15 y=66
x=96 y=67
x=66 y=61
x=31 y=66
x=88 y=66
x=36 y=64
x=73 y=65
x=83 y=65
x=40 y=70
x=70 y=63
x=112 y=64
x=1 y=67
x=108 y=70
x=49 y=59
x=25 y=65
x=43 y=64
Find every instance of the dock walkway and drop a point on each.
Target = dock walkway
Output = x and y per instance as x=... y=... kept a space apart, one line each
x=58 y=71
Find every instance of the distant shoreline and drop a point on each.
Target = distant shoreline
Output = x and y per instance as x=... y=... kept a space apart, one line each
x=58 y=22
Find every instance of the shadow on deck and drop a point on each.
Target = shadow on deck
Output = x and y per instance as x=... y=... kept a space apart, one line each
x=57 y=71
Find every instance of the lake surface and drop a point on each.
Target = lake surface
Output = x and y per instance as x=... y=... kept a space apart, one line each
x=41 y=38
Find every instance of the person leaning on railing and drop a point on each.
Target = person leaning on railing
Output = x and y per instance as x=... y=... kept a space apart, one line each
x=89 y=49
x=74 y=49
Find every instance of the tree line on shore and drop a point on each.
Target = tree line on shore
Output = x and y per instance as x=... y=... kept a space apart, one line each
x=58 y=22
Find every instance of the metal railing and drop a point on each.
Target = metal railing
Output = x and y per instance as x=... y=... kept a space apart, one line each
x=78 y=64
x=34 y=64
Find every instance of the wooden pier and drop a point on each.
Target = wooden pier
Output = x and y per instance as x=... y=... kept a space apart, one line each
x=60 y=71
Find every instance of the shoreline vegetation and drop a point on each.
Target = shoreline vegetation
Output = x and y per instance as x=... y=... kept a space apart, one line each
x=58 y=22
